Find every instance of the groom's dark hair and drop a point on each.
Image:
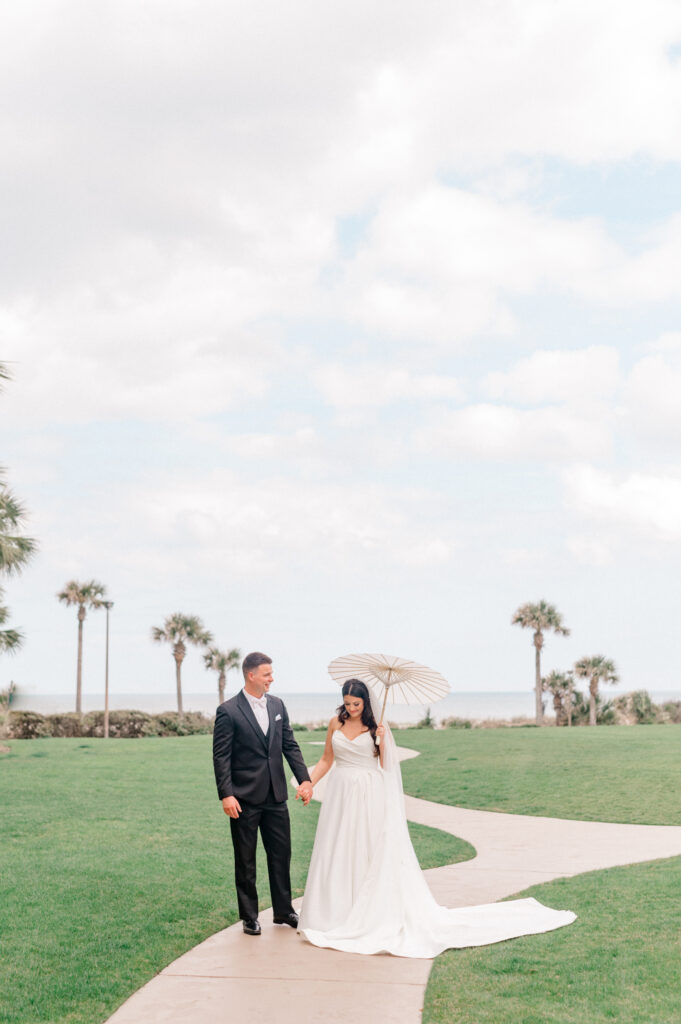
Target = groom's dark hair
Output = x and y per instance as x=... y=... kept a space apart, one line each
x=253 y=661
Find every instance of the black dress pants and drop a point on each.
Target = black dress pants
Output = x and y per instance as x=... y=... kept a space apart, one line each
x=275 y=828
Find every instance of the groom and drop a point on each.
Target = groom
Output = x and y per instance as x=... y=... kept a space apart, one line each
x=251 y=733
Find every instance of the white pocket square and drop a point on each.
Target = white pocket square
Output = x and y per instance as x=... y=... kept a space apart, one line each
x=277 y=718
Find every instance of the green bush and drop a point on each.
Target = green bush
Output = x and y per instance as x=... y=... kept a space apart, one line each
x=300 y=727
x=605 y=710
x=671 y=711
x=427 y=722
x=192 y=723
x=67 y=723
x=126 y=725
x=637 y=707
x=28 y=725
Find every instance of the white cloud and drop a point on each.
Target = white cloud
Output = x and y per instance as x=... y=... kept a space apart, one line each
x=651 y=396
x=179 y=344
x=380 y=384
x=440 y=263
x=179 y=186
x=576 y=377
x=226 y=523
x=590 y=550
x=518 y=435
x=650 y=504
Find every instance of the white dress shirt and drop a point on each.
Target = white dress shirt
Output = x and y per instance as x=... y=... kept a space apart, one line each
x=259 y=709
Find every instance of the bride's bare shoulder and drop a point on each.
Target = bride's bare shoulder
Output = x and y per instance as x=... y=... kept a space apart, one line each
x=334 y=724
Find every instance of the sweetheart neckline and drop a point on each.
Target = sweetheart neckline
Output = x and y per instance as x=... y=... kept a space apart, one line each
x=340 y=732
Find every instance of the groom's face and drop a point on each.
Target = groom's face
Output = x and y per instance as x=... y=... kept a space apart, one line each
x=261 y=678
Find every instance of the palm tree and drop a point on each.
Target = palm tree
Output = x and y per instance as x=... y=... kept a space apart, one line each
x=10 y=639
x=597 y=669
x=221 y=662
x=179 y=630
x=560 y=685
x=539 y=617
x=15 y=549
x=84 y=595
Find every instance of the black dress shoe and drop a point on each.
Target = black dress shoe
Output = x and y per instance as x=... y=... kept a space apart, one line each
x=290 y=919
x=252 y=927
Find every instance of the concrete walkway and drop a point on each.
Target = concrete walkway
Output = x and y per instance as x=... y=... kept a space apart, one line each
x=232 y=977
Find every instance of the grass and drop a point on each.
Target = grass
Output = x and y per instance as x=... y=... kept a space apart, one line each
x=116 y=859
x=620 y=961
x=614 y=773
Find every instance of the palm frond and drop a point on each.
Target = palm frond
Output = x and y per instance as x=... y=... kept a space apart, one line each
x=90 y=594
x=11 y=640
x=181 y=628
x=15 y=548
x=539 y=616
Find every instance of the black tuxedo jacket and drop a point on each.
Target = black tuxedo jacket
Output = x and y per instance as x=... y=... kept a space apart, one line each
x=246 y=761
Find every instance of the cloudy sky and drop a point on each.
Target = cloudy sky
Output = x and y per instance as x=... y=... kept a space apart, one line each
x=345 y=326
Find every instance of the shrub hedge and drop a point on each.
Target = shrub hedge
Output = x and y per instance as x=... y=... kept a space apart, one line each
x=29 y=725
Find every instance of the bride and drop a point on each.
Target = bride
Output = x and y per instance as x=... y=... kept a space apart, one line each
x=365 y=891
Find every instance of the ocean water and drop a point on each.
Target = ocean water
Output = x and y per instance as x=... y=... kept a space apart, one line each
x=316 y=707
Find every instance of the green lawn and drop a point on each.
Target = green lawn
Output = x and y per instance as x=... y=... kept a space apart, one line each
x=621 y=960
x=115 y=859
x=610 y=773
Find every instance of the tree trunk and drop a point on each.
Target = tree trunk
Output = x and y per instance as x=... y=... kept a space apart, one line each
x=79 y=664
x=179 y=656
x=221 y=686
x=538 y=706
x=570 y=706
x=558 y=708
x=592 y=703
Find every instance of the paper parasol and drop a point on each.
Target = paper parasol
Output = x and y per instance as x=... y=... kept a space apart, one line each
x=391 y=679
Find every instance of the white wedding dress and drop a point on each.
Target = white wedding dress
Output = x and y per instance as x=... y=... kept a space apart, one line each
x=365 y=890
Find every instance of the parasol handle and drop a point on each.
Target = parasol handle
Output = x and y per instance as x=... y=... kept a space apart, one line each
x=385 y=701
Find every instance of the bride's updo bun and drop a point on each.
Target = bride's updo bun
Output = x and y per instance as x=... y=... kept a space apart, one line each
x=356 y=688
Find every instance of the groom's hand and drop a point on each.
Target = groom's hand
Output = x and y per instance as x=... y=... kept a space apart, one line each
x=304 y=792
x=231 y=806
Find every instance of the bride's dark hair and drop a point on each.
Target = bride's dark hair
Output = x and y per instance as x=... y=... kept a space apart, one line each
x=356 y=688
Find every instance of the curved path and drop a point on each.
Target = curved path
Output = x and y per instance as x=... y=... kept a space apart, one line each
x=232 y=977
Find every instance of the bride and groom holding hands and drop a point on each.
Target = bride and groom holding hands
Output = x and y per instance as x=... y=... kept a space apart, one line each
x=365 y=891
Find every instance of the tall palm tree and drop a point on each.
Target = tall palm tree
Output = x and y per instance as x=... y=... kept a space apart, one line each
x=180 y=630
x=597 y=669
x=221 y=662
x=539 y=617
x=84 y=596
x=560 y=685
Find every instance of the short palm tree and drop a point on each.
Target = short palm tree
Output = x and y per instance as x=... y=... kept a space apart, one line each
x=560 y=685
x=597 y=669
x=180 y=630
x=221 y=662
x=539 y=617
x=84 y=595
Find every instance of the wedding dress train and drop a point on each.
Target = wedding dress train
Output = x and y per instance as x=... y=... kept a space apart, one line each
x=365 y=890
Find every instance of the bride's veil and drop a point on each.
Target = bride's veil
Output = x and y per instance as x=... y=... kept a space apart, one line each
x=391 y=761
